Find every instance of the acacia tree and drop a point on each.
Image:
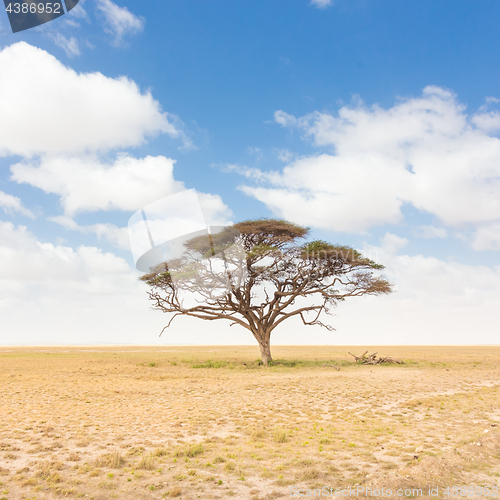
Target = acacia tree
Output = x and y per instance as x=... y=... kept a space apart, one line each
x=275 y=277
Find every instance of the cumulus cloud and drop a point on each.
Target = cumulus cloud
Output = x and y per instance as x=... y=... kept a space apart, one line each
x=436 y=302
x=87 y=184
x=488 y=121
x=119 y=20
x=487 y=238
x=249 y=173
x=334 y=193
x=12 y=204
x=87 y=295
x=56 y=293
x=48 y=108
x=392 y=243
x=23 y=257
x=215 y=212
x=430 y=232
x=75 y=13
x=427 y=279
x=425 y=151
x=69 y=45
x=285 y=119
x=285 y=156
x=321 y=4
x=117 y=236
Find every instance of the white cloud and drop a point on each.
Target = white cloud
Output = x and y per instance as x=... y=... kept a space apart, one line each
x=120 y=21
x=12 y=204
x=430 y=232
x=215 y=212
x=284 y=119
x=24 y=258
x=436 y=302
x=69 y=45
x=86 y=184
x=321 y=3
x=57 y=293
x=86 y=295
x=487 y=238
x=285 y=156
x=48 y=108
x=492 y=100
x=325 y=191
x=255 y=151
x=489 y=121
x=425 y=279
x=117 y=236
x=392 y=243
x=78 y=12
x=249 y=173
x=424 y=151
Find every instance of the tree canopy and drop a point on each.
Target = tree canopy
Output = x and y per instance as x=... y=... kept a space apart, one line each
x=259 y=273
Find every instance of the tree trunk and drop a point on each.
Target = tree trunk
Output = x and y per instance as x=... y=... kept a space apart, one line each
x=265 y=352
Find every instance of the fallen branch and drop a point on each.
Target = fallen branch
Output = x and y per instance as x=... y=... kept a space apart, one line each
x=359 y=358
x=373 y=360
x=332 y=366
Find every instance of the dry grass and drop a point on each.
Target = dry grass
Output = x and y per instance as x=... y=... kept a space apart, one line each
x=113 y=460
x=209 y=422
x=147 y=462
x=194 y=450
x=280 y=435
x=175 y=492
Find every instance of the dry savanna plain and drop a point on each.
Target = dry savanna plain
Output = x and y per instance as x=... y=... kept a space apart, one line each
x=207 y=422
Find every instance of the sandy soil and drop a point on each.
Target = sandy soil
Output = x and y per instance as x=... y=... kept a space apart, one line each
x=208 y=422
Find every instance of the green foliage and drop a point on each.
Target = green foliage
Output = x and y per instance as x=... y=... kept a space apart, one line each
x=213 y=244
x=147 y=462
x=320 y=250
x=211 y=364
x=261 y=251
x=194 y=450
x=268 y=252
x=277 y=229
x=291 y=363
x=280 y=435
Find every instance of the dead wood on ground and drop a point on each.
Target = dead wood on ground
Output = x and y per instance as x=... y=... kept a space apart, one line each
x=372 y=359
x=332 y=366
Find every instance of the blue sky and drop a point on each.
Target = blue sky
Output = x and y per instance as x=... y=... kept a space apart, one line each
x=375 y=123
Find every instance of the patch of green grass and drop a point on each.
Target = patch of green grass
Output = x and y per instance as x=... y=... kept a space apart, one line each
x=147 y=462
x=280 y=435
x=307 y=363
x=194 y=450
x=160 y=452
x=211 y=364
x=113 y=460
x=229 y=467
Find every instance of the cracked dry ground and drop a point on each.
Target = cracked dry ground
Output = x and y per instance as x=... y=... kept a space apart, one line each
x=208 y=422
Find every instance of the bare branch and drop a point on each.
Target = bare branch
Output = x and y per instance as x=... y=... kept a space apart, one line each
x=258 y=288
